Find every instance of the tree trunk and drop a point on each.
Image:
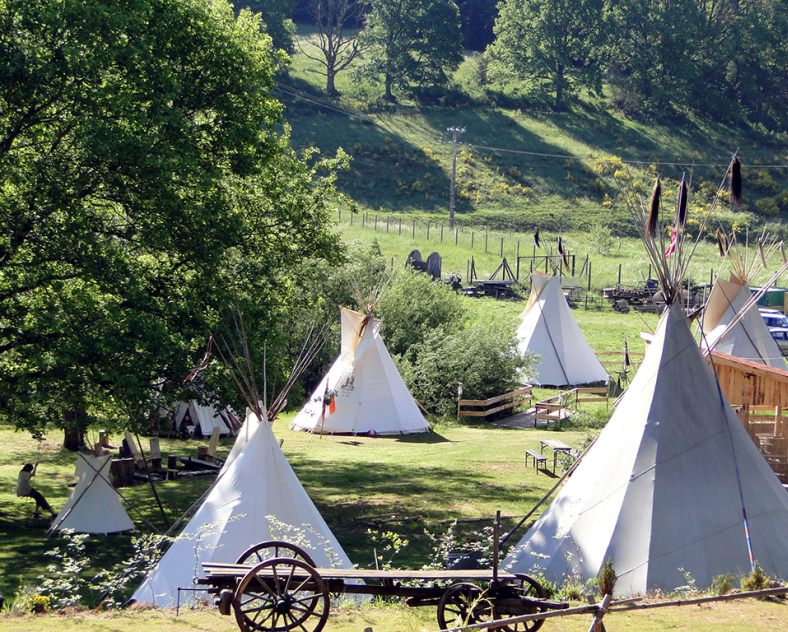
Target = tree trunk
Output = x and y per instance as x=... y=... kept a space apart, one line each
x=73 y=427
x=330 y=88
x=389 y=83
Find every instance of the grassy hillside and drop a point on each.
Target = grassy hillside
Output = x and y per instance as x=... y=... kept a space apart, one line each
x=519 y=169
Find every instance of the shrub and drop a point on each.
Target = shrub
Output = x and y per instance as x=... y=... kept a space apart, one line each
x=606 y=580
x=767 y=206
x=763 y=182
x=413 y=306
x=485 y=359
x=756 y=580
x=722 y=584
x=600 y=239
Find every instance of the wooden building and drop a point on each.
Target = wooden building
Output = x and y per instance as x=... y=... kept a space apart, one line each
x=759 y=393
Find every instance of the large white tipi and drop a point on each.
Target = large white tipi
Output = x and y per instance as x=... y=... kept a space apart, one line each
x=367 y=390
x=749 y=338
x=550 y=331
x=94 y=506
x=256 y=496
x=673 y=484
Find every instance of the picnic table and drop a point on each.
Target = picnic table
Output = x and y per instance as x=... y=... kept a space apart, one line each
x=557 y=446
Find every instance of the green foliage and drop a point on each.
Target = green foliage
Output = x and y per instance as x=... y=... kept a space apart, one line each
x=763 y=182
x=554 y=46
x=411 y=42
x=600 y=239
x=276 y=20
x=722 y=584
x=606 y=580
x=756 y=580
x=145 y=190
x=414 y=306
x=485 y=359
x=767 y=206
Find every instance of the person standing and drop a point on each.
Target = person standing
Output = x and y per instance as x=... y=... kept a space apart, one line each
x=25 y=490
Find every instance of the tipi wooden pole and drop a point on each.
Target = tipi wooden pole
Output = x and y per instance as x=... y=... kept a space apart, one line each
x=596 y=624
x=152 y=486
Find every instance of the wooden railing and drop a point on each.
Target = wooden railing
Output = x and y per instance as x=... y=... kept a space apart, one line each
x=555 y=408
x=520 y=396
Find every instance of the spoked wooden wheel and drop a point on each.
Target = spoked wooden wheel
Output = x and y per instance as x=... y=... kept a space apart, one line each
x=462 y=604
x=524 y=587
x=275 y=548
x=279 y=595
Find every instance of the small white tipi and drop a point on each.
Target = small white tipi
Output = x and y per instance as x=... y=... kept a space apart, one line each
x=673 y=484
x=255 y=483
x=205 y=418
x=749 y=338
x=367 y=390
x=94 y=506
x=550 y=331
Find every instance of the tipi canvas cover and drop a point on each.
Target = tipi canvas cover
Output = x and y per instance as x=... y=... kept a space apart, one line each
x=550 y=331
x=368 y=391
x=749 y=338
x=94 y=506
x=256 y=482
x=206 y=418
x=662 y=488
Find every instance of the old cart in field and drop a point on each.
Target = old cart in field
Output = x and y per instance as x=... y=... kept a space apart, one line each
x=275 y=587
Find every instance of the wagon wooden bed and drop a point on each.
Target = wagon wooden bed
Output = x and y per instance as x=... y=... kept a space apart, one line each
x=276 y=587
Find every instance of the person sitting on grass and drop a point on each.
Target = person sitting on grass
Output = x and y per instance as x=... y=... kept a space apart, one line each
x=25 y=490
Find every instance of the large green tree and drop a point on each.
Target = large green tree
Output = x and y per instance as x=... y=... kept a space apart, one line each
x=411 y=42
x=553 y=45
x=143 y=190
x=277 y=22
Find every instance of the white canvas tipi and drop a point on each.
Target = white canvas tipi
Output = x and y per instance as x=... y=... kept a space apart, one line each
x=659 y=490
x=367 y=390
x=94 y=506
x=255 y=484
x=749 y=338
x=206 y=418
x=673 y=484
x=550 y=331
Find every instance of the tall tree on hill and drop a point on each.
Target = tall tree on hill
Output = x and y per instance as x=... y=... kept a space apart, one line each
x=554 y=45
x=411 y=42
x=144 y=188
x=277 y=20
x=337 y=22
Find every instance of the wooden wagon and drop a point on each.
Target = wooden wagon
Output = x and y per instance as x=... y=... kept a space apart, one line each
x=276 y=587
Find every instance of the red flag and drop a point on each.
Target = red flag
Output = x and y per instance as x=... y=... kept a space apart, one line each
x=332 y=407
x=672 y=247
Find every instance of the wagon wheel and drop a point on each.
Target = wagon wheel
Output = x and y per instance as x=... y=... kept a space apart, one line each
x=463 y=604
x=272 y=598
x=523 y=587
x=274 y=548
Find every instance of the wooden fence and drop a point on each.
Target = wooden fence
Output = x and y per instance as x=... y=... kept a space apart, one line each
x=556 y=408
x=515 y=398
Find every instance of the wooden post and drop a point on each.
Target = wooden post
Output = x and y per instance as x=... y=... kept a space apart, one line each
x=214 y=443
x=496 y=534
x=619 y=274
x=414 y=229
x=133 y=448
x=428 y=230
x=387 y=223
x=471 y=240
x=155 y=454
x=649 y=272
x=363 y=220
x=596 y=624
x=502 y=247
x=589 y=275
x=340 y=215
x=351 y=219
x=150 y=480
x=485 y=239
x=456 y=235
x=376 y=221
x=400 y=226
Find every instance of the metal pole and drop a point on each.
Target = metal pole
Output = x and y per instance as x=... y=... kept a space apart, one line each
x=454 y=131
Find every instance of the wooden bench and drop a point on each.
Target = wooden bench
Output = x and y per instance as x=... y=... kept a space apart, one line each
x=537 y=457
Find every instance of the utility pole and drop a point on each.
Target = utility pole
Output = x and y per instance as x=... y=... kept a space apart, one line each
x=454 y=131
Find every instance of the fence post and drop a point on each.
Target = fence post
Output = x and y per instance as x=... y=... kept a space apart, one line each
x=414 y=229
x=456 y=235
x=340 y=215
x=485 y=239
x=589 y=275
x=501 y=247
x=376 y=221
x=441 y=233
x=619 y=274
x=400 y=225
x=428 y=229
x=363 y=220
x=387 y=224
x=471 y=240
x=351 y=219
x=573 y=265
x=517 y=276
